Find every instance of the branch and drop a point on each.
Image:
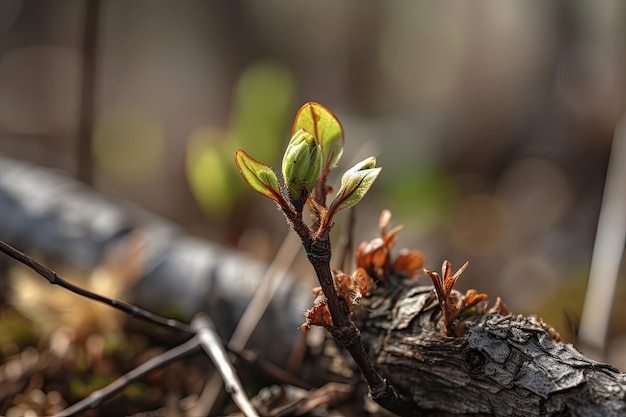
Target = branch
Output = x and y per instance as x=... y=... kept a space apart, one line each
x=343 y=330
x=95 y=398
x=502 y=365
x=201 y=325
x=213 y=346
x=55 y=279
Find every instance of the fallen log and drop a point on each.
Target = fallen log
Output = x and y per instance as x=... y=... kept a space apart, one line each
x=499 y=364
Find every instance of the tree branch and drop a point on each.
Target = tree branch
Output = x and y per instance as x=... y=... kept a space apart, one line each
x=55 y=279
x=500 y=365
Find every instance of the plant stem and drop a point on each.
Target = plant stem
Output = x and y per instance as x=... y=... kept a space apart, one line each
x=344 y=331
x=319 y=254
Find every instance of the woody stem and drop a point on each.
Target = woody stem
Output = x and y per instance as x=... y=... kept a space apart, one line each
x=346 y=333
x=318 y=251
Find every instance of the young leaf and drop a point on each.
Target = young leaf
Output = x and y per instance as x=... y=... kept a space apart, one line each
x=355 y=183
x=325 y=127
x=302 y=164
x=260 y=177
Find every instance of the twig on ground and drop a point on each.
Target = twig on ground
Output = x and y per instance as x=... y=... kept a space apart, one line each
x=213 y=346
x=95 y=398
x=201 y=326
x=55 y=279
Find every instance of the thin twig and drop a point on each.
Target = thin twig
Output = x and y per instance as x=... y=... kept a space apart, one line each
x=202 y=325
x=213 y=346
x=95 y=398
x=268 y=286
x=607 y=249
x=91 y=30
x=55 y=279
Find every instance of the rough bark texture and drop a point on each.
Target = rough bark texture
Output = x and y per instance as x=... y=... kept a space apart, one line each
x=498 y=366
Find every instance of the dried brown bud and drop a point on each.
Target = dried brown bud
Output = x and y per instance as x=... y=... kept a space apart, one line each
x=318 y=315
x=373 y=257
x=408 y=263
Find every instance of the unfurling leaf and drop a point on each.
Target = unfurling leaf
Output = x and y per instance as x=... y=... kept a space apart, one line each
x=260 y=177
x=325 y=127
x=408 y=263
x=354 y=184
x=373 y=257
x=302 y=164
x=443 y=287
x=472 y=297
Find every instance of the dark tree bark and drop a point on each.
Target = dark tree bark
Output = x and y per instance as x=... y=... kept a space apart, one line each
x=498 y=366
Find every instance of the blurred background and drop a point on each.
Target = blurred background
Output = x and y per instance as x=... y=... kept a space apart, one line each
x=493 y=121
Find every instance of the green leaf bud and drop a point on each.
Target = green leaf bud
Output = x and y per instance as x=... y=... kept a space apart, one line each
x=324 y=125
x=302 y=164
x=258 y=175
x=355 y=183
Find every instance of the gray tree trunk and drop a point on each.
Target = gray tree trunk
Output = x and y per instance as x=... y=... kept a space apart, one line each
x=498 y=366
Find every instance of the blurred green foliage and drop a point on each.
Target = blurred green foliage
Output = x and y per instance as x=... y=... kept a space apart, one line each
x=262 y=108
x=422 y=192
